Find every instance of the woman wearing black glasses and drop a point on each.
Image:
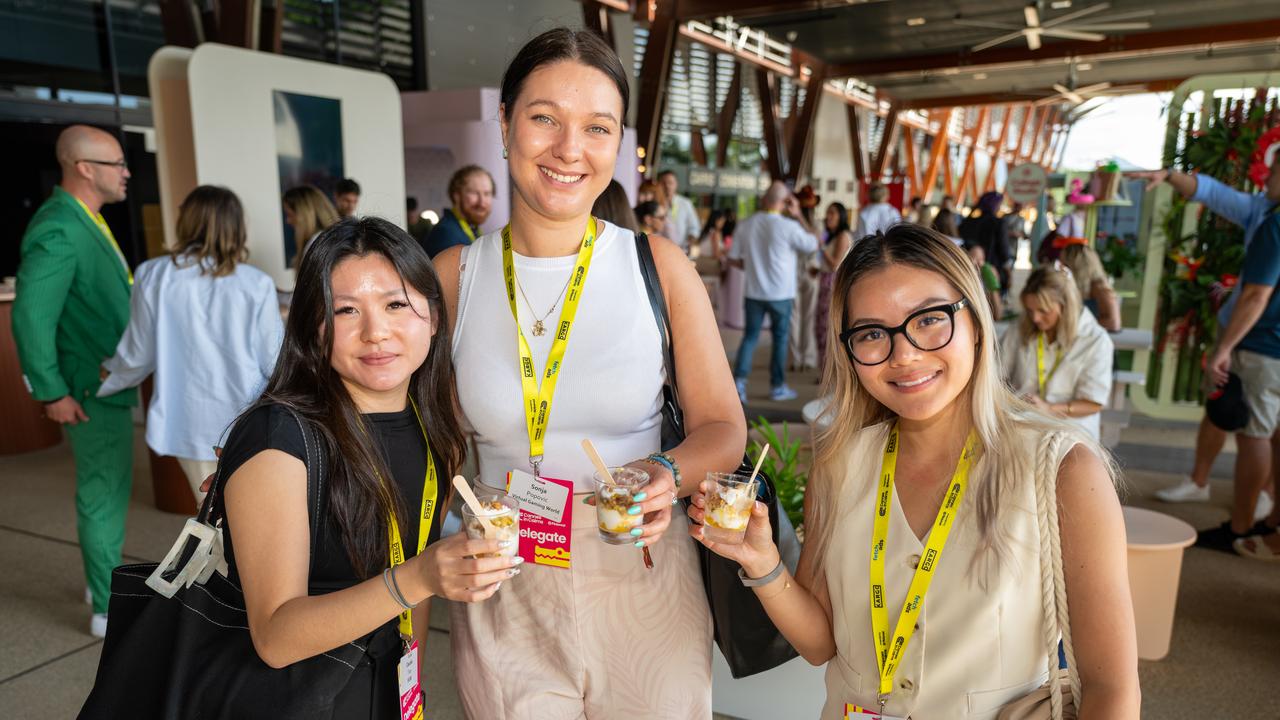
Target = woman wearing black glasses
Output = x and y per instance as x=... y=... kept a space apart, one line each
x=936 y=574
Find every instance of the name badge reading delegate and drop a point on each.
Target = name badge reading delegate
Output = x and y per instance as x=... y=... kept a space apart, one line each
x=546 y=517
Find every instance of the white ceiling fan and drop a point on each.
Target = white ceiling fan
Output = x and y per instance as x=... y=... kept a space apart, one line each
x=1072 y=93
x=1062 y=26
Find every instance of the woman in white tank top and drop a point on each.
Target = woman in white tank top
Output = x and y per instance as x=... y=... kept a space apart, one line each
x=606 y=637
x=929 y=578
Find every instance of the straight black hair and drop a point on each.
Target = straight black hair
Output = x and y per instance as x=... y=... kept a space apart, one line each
x=304 y=379
x=557 y=45
x=842 y=219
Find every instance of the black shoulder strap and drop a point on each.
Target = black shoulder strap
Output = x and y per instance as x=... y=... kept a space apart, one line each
x=658 y=303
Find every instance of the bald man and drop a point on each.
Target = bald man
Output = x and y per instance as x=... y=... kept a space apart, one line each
x=768 y=246
x=72 y=307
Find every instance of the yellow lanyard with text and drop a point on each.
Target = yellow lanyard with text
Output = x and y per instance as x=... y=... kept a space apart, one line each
x=466 y=226
x=106 y=230
x=429 y=490
x=1042 y=380
x=889 y=654
x=537 y=396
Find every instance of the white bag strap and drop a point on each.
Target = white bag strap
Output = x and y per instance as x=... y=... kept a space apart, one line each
x=1052 y=579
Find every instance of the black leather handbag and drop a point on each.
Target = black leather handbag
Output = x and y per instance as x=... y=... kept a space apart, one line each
x=746 y=636
x=178 y=643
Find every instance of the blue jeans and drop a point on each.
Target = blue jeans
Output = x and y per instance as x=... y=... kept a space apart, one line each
x=780 y=323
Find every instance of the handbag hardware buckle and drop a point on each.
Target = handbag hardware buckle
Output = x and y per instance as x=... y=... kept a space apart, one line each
x=199 y=567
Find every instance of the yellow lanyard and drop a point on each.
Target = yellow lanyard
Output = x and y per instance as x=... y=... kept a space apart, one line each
x=537 y=397
x=1041 y=379
x=466 y=226
x=429 y=490
x=889 y=656
x=102 y=225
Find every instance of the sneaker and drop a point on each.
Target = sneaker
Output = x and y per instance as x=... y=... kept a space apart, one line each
x=1185 y=491
x=742 y=390
x=782 y=392
x=98 y=625
x=1262 y=510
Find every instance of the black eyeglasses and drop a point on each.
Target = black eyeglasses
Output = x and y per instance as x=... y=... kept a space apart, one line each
x=122 y=165
x=927 y=329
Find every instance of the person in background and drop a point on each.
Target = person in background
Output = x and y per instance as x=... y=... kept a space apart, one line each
x=71 y=308
x=920 y=420
x=419 y=227
x=945 y=223
x=651 y=217
x=915 y=210
x=346 y=197
x=717 y=239
x=1093 y=284
x=612 y=205
x=682 y=217
x=983 y=227
x=207 y=324
x=308 y=212
x=990 y=279
x=948 y=205
x=878 y=215
x=651 y=190
x=1015 y=229
x=471 y=191
x=1059 y=358
x=1249 y=211
x=767 y=247
x=802 y=348
x=836 y=243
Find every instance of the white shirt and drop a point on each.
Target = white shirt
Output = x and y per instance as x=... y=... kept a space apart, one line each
x=682 y=222
x=770 y=246
x=212 y=343
x=1083 y=374
x=876 y=217
x=610 y=384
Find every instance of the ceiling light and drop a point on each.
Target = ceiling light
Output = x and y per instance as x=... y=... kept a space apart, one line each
x=1084 y=66
x=915 y=21
x=640 y=152
x=979 y=76
x=1060 y=4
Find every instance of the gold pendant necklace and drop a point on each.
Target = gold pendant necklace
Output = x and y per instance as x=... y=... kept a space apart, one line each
x=539 y=327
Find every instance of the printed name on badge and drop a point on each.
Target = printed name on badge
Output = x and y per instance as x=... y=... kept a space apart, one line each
x=410 y=685
x=539 y=495
x=543 y=540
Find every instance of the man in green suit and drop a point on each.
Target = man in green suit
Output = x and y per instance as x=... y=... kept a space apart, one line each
x=72 y=307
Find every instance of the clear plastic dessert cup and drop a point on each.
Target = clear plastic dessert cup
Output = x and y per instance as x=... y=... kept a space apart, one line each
x=728 y=507
x=614 y=498
x=503 y=513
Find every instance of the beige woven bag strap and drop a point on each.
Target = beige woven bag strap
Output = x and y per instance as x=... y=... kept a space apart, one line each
x=1052 y=580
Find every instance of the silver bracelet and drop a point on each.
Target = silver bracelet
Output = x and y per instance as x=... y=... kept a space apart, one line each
x=389 y=579
x=761 y=582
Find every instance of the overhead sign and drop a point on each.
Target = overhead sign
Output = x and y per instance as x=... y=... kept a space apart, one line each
x=1026 y=183
x=722 y=181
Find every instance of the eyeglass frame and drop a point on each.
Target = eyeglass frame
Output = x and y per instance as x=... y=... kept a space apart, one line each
x=118 y=164
x=950 y=309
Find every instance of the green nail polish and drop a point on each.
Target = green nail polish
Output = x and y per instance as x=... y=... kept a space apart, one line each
x=586 y=500
x=640 y=543
x=639 y=497
x=633 y=510
x=637 y=532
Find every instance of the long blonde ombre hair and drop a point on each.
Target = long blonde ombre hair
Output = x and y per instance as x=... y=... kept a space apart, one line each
x=1052 y=286
x=999 y=416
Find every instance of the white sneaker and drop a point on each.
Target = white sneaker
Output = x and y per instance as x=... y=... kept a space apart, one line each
x=98 y=625
x=1185 y=491
x=1262 y=510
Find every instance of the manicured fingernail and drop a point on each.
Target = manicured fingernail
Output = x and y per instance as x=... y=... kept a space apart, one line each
x=637 y=532
x=506 y=543
x=633 y=510
x=517 y=560
x=513 y=572
x=498 y=586
x=639 y=497
x=639 y=543
x=586 y=500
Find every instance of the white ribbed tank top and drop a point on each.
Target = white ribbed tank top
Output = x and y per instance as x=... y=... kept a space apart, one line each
x=610 y=387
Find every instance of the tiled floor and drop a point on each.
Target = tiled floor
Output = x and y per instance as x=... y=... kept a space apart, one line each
x=1222 y=663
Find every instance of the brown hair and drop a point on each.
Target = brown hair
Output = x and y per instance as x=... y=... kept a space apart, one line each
x=459 y=179
x=656 y=189
x=612 y=205
x=557 y=45
x=211 y=227
x=312 y=212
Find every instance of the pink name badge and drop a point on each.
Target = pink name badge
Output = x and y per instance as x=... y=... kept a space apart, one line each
x=546 y=517
x=853 y=712
x=410 y=685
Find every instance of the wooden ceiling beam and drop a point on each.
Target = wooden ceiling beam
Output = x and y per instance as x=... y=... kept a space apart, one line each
x=654 y=72
x=805 y=118
x=728 y=112
x=766 y=89
x=1190 y=37
x=940 y=143
x=909 y=150
x=857 y=144
x=886 y=145
x=1020 y=96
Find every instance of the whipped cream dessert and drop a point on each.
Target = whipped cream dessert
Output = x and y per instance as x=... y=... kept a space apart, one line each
x=505 y=527
x=729 y=507
x=611 y=510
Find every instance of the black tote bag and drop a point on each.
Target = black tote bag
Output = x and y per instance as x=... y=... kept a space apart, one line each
x=190 y=655
x=747 y=637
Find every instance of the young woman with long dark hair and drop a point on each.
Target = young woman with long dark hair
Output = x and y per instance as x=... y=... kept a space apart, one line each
x=562 y=291
x=836 y=242
x=365 y=363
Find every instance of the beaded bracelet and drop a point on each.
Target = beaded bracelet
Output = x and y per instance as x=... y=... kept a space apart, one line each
x=665 y=460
